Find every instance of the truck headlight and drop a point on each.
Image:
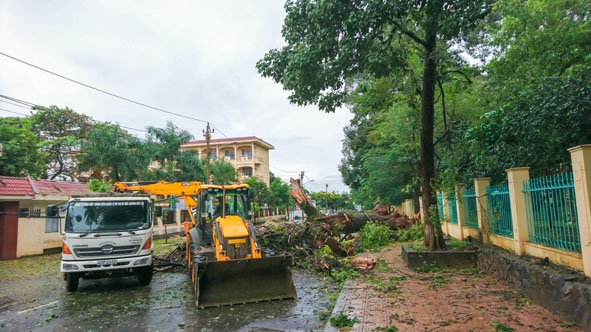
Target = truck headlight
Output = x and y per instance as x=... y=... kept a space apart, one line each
x=70 y=267
x=143 y=261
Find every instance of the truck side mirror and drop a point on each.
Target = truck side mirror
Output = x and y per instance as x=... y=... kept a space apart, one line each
x=158 y=210
x=52 y=211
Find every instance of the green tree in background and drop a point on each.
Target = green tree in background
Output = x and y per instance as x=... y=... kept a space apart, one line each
x=536 y=90
x=261 y=192
x=112 y=151
x=21 y=155
x=165 y=145
x=97 y=185
x=222 y=172
x=279 y=194
x=60 y=131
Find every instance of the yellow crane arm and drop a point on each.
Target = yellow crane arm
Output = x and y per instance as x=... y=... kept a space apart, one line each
x=185 y=189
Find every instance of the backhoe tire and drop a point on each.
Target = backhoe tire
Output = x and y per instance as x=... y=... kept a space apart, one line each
x=72 y=279
x=144 y=275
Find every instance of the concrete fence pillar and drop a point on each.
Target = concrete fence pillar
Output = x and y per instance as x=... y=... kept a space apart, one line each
x=480 y=186
x=581 y=163
x=460 y=189
x=515 y=178
x=442 y=218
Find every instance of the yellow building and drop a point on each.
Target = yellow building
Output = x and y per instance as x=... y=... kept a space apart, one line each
x=249 y=155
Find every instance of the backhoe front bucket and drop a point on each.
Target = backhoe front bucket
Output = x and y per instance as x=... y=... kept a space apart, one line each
x=243 y=281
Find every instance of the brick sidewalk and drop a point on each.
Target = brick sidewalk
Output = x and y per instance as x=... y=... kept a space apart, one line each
x=400 y=299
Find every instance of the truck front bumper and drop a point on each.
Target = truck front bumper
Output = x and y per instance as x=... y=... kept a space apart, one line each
x=105 y=264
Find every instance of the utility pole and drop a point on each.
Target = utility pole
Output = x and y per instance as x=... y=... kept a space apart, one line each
x=326 y=197
x=207 y=134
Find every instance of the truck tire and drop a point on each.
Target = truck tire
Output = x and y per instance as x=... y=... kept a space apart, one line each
x=144 y=275
x=72 y=280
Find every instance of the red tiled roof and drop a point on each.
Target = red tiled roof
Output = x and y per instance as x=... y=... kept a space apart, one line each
x=46 y=187
x=11 y=186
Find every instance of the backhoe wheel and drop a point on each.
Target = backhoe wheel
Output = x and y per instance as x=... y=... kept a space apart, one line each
x=144 y=275
x=72 y=279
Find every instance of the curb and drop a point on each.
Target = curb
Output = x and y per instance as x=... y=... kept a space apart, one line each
x=339 y=306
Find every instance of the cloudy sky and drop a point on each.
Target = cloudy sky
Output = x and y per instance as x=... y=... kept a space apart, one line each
x=194 y=58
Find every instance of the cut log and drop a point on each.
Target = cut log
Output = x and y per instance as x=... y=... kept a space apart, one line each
x=362 y=263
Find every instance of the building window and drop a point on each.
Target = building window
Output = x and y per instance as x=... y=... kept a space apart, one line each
x=246 y=154
x=247 y=172
x=229 y=155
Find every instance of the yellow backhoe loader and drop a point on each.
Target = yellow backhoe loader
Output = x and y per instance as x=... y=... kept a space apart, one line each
x=226 y=263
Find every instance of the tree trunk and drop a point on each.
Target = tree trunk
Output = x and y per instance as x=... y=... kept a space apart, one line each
x=302 y=199
x=433 y=231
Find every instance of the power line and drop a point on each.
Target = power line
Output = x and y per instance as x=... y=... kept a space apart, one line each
x=14 y=104
x=5 y=110
x=282 y=170
x=19 y=101
x=105 y=92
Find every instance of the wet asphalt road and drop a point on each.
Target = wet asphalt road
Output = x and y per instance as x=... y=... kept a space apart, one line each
x=41 y=303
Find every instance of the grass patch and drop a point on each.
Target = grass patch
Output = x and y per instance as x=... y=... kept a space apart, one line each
x=163 y=245
x=30 y=266
x=452 y=245
x=457 y=245
x=342 y=320
x=428 y=267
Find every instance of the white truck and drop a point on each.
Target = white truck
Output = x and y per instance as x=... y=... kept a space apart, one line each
x=107 y=235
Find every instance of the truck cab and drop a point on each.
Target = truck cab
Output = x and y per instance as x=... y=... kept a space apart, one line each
x=108 y=235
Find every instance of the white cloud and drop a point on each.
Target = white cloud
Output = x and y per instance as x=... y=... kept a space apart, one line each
x=195 y=58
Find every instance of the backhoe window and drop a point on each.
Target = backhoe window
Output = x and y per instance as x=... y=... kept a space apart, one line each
x=234 y=201
x=107 y=216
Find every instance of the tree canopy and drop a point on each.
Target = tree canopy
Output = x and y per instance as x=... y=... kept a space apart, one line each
x=331 y=43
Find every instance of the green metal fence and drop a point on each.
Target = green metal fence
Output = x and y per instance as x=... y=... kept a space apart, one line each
x=470 y=212
x=551 y=212
x=499 y=210
x=440 y=206
x=452 y=207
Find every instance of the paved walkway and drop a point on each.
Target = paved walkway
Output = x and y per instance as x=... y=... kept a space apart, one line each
x=395 y=298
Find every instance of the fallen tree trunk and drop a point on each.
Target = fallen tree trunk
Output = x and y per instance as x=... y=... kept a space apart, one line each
x=347 y=223
x=334 y=231
x=297 y=192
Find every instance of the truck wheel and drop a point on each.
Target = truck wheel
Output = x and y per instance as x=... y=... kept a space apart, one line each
x=72 y=281
x=144 y=275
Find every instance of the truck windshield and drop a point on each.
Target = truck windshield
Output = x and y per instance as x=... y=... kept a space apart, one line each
x=107 y=216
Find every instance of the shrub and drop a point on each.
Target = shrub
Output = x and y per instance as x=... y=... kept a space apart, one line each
x=374 y=236
x=415 y=233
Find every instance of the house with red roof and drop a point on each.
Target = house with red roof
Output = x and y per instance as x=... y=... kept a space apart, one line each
x=24 y=230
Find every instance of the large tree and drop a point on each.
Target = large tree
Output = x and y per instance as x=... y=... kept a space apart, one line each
x=60 y=131
x=330 y=42
x=166 y=143
x=111 y=152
